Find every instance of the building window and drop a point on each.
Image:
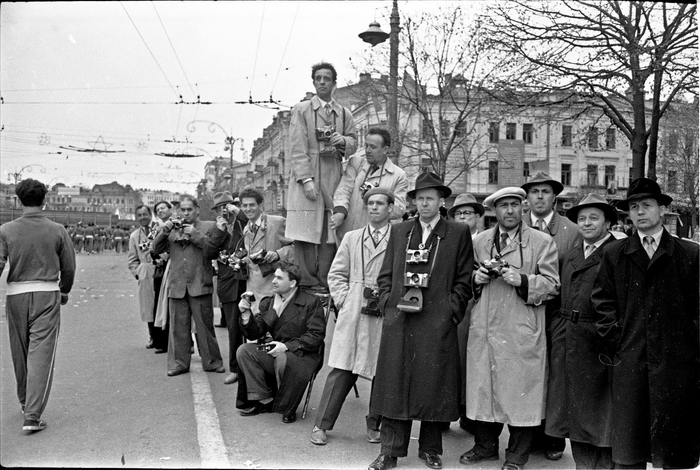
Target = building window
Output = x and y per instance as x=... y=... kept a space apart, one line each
x=610 y=138
x=426 y=133
x=493 y=172
x=426 y=164
x=526 y=169
x=528 y=130
x=566 y=174
x=610 y=177
x=566 y=136
x=673 y=142
x=672 y=181
x=510 y=131
x=461 y=130
x=445 y=129
x=493 y=132
x=593 y=138
x=592 y=172
x=630 y=176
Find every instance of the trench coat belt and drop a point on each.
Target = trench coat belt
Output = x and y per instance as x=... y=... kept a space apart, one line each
x=575 y=316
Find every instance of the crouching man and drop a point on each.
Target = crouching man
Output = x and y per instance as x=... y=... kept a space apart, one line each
x=289 y=330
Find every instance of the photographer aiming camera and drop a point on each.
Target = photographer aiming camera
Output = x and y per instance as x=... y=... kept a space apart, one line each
x=322 y=134
x=353 y=284
x=507 y=331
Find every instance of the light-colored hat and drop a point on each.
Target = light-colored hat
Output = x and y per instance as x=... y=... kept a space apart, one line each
x=510 y=191
x=221 y=199
x=597 y=201
x=465 y=199
x=374 y=191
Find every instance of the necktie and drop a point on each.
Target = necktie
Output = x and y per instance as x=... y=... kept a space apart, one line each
x=426 y=233
x=649 y=245
x=540 y=225
x=376 y=237
x=589 y=249
x=328 y=110
x=372 y=169
x=504 y=241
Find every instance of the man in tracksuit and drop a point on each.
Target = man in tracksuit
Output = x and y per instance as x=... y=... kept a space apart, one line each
x=42 y=269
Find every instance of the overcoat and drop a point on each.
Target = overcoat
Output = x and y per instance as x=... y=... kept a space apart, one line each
x=230 y=239
x=270 y=236
x=302 y=328
x=356 y=337
x=507 y=349
x=142 y=267
x=349 y=197
x=304 y=216
x=418 y=374
x=648 y=312
x=579 y=395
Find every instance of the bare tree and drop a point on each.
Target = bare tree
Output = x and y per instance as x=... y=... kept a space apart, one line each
x=608 y=53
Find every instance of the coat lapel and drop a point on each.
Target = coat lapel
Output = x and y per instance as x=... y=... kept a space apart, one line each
x=292 y=310
x=665 y=246
x=636 y=252
x=379 y=249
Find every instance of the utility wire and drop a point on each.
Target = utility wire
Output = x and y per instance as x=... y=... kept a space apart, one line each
x=151 y=52
x=291 y=30
x=174 y=52
x=257 y=51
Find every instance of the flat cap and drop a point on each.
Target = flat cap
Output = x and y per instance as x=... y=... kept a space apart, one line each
x=387 y=192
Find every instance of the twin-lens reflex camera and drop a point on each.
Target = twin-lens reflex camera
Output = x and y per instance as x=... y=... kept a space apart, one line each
x=372 y=308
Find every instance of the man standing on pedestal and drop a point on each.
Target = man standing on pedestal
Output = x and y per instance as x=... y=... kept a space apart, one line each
x=322 y=133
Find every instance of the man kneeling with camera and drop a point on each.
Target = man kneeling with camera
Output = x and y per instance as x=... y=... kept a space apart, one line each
x=289 y=330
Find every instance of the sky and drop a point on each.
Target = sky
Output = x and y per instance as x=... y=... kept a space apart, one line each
x=92 y=92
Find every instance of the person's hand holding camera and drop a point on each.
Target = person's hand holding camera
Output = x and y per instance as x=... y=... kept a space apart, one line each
x=337 y=140
x=233 y=209
x=511 y=276
x=278 y=348
x=271 y=257
x=481 y=276
x=221 y=223
x=337 y=220
x=310 y=190
x=168 y=226
x=188 y=229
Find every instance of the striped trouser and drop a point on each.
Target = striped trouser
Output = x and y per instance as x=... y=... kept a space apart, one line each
x=33 y=321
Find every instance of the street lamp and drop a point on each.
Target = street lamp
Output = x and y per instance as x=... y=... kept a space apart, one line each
x=374 y=35
x=229 y=142
x=17 y=175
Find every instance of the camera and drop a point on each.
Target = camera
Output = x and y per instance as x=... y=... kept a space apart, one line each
x=236 y=259
x=177 y=224
x=417 y=256
x=267 y=347
x=323 y=134
x=366 y=187
x=248 y=296
x=259 y=257
x=152 y=233
x=145 y=246
x=370 y=292
x=494 y=267
x=416 y=279
x=372 y=307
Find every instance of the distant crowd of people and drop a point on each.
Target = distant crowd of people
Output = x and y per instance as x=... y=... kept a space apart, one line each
x=552 y=324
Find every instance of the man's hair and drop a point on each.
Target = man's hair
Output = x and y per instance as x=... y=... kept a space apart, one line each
x=141 y=206
x=292 y=270
x=31 y=192
x=386 y=137
x=155 y=206
x=324 y=65
x=252 y=192
x=192 y=199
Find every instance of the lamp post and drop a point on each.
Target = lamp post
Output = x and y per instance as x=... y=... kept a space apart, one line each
x=374 y=35
x=17 y=175
x=229 y=142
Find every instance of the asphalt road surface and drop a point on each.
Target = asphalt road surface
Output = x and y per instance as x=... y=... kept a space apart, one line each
x=112 y=404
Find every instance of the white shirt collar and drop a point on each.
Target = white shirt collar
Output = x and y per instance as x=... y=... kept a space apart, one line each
x=657 y=236
x=382 y=230
x=596 y=244
x=433 y=222
x=547 y=219
x=511 y=233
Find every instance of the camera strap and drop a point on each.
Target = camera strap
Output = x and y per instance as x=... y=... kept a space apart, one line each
x=495 y=242
x=367 y=175
x=430 y=249
x=325 y=121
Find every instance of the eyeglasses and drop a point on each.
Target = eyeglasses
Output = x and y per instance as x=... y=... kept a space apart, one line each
x=465 y=213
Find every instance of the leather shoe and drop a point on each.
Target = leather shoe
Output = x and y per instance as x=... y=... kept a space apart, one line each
x=374 y=436
x=218 y=370
x=470 y=457
x=432 y=460
x=508 y=465
x=318 y=436
x=160 y=351
x=150 y=344
x=383 y=462
x=231 y=378
x=553 y=454
x=174 y=372
x=256 y=409
x=290 y=417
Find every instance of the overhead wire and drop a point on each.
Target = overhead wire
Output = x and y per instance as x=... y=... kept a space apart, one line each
x=284 y=53
x=257 y=51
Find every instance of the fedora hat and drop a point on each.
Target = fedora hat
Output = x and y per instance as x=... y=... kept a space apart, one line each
x=221 y=199
x=510 y=191
x=465 y=199
x=429 y=180
x=593 y=200
x=641 y=188
x=543 y=178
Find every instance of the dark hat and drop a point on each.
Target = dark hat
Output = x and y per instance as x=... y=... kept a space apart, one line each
x=429 y=180
x=641 y=188
x=221 y=199
x=593 y=200
x=466 y=199
x=543 y=178
x=374 y=191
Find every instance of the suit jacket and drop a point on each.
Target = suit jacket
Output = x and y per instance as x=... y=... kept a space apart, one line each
x=304 y=216
x=648 y=311
x=190 y=273
x=418 y=373
x=565 y=233
x=228 y=281
x=302 y=328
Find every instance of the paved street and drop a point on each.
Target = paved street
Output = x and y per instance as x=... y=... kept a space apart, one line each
x=112 y=404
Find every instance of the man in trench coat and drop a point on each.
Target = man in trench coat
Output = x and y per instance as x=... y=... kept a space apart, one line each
x=321 y=134
x=646 y=300
x=418 y=374
x=507 y=350
x=579 y=395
